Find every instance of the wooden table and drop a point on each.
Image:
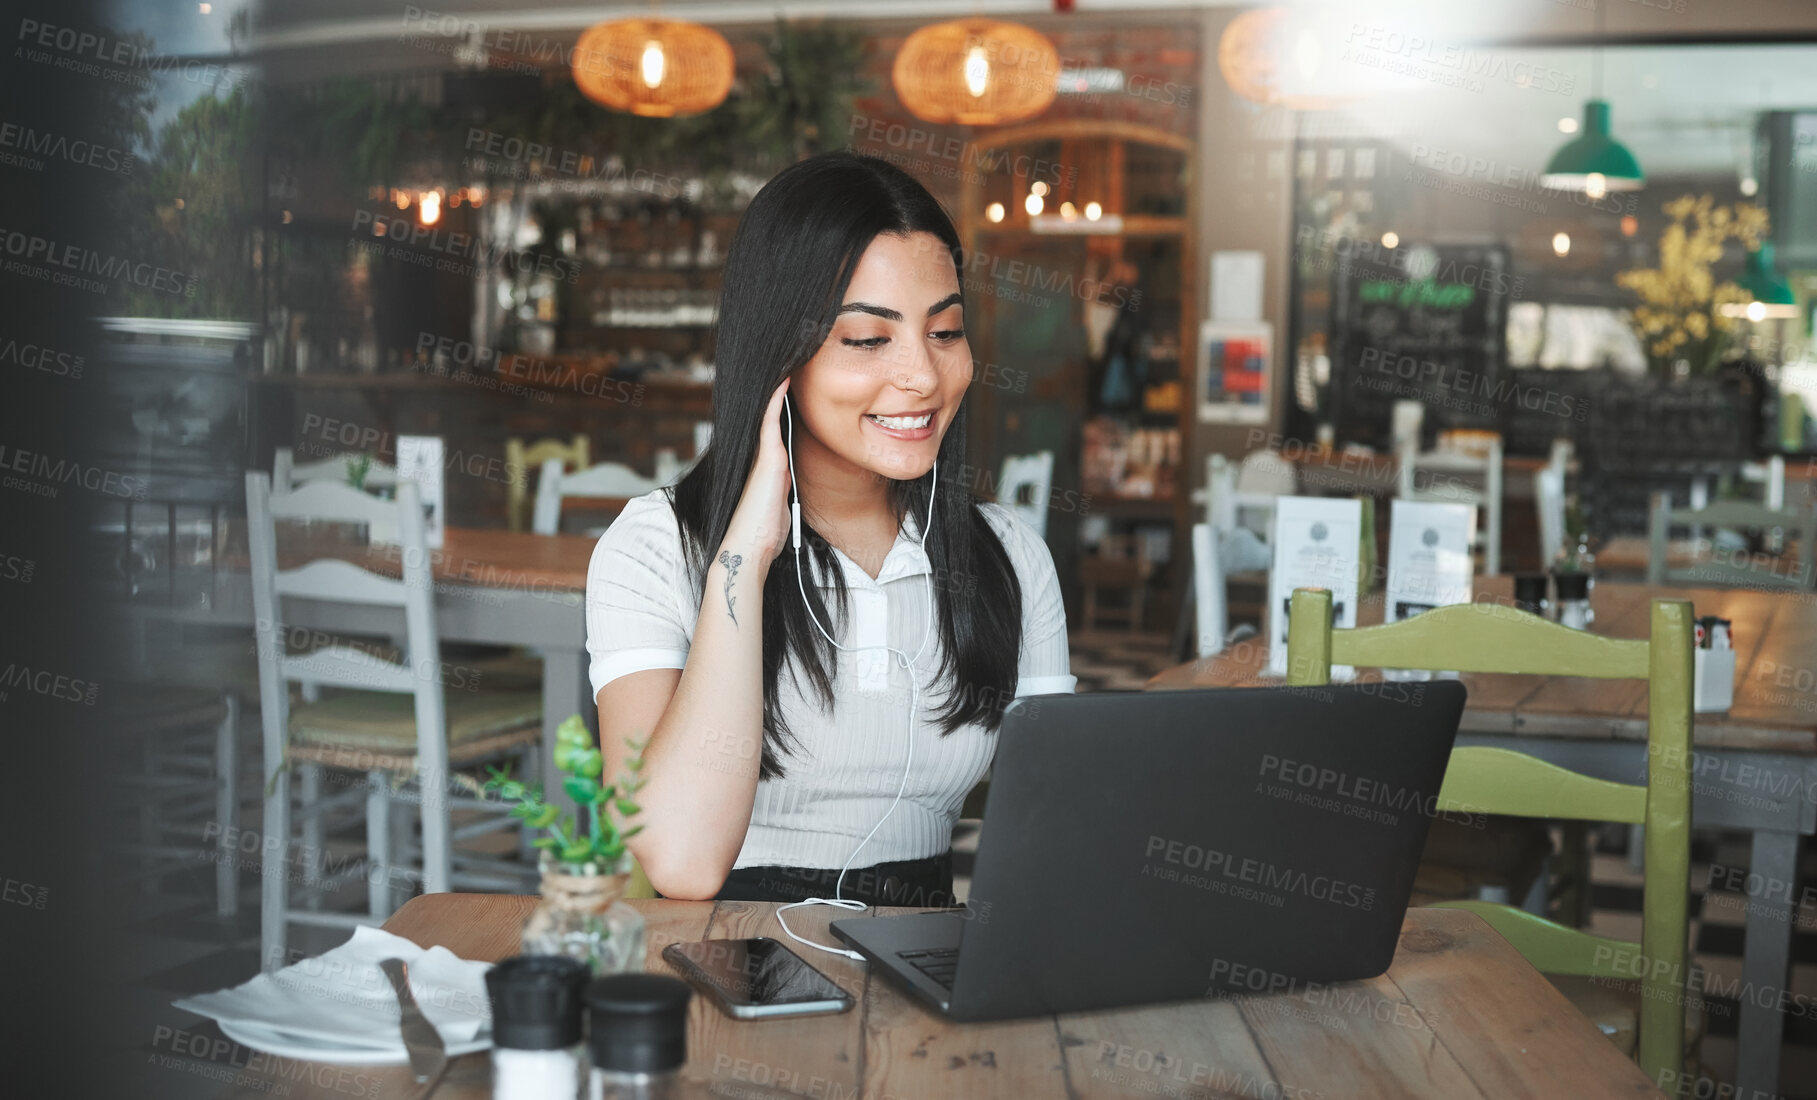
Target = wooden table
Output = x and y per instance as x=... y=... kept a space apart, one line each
x=1754 y=767
x=1459 y=1014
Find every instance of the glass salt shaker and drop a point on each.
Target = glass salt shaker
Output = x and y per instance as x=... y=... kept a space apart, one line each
x=537 y=1006
x=637 y=1033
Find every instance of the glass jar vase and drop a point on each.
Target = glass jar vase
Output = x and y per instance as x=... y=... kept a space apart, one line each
x=583 y=915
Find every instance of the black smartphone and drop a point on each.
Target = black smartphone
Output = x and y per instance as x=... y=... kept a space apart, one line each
x=756 y=979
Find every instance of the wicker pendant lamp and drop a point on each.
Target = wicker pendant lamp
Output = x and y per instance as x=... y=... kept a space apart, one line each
x=976 y=72
x=659 y=68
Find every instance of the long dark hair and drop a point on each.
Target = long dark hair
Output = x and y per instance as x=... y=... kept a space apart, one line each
x=786 y=273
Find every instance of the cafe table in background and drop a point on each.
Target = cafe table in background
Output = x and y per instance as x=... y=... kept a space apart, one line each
x=492 y=587
x=1754 y=767
x=1459 y=1015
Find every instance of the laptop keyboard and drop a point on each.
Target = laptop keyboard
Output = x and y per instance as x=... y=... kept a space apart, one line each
x=937 y=963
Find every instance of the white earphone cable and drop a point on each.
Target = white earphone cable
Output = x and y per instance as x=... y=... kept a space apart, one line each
x=906 y=662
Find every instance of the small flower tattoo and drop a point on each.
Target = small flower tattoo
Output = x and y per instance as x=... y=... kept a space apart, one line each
x=731 y=561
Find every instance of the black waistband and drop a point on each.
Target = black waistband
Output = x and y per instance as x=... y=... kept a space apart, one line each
x=912 y=882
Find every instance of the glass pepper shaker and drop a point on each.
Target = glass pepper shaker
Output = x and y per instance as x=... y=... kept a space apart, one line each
x=1530 y=594
x=536 y=1027
x=1573 y=600
x=637 y=1034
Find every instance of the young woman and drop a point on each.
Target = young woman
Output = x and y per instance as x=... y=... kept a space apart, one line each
x=776 y=760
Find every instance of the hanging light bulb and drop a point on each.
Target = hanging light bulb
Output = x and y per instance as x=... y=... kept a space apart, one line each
x=977 y=71
x=429 y=207
x=651 y=64
x=1561 y=244
x=1391 y=239
x=1769 y=295
x=1093 y=211
x=994 y=211
x=658 y=68
x=1032 y=204
x=1039 y=187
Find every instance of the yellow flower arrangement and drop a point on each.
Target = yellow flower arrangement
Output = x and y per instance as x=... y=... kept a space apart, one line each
x=1680 y=311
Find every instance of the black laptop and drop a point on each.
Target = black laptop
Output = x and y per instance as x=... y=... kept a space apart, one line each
x=1165 y=845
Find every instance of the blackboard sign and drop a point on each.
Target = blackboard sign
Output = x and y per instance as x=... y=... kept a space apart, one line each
x=1424 y=323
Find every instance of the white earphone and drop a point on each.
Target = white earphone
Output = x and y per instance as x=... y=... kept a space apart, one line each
x=907 y=662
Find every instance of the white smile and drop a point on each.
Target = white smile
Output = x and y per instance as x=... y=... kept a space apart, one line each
x=903 y=423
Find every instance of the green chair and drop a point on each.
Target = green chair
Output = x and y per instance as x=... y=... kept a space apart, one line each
x=1497 y=639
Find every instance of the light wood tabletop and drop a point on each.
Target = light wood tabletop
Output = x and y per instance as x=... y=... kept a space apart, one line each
x=1775 y=637
x=1459 y=1014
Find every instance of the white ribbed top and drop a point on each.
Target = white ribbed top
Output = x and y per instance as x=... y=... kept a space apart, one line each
x=848 y=763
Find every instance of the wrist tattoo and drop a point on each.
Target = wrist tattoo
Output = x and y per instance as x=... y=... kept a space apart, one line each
x=731 y=561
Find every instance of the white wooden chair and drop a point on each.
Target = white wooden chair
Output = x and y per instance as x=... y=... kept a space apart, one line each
x=1777 y=524
x=1025 y=485
x=608 y=480
x=1234 y=497
x=287 y=473
x=521 y=458
x=1549 y=502
x=1444 y=481
x=393 y=720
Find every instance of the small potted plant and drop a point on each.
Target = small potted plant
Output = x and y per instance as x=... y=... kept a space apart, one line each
x=585 y=864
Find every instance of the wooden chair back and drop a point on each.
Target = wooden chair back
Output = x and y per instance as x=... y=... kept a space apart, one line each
x=288 y=474
x=608 y=481
x=1498 y=639
x=1792 y=568
x=330 y=580
x=521 y=458
x=1444 y=482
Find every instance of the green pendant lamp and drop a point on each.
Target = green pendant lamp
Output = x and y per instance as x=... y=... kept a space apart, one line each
x=1770 y=296
x=1593 y=162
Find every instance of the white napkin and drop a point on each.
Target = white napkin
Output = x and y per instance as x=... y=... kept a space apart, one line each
x=343 y=998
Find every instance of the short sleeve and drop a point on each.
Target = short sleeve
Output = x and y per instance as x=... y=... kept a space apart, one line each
x=1046 y=665
x=640 y=604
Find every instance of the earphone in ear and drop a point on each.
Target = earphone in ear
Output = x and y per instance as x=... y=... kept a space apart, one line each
x=907 y=662
x=794 y=493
